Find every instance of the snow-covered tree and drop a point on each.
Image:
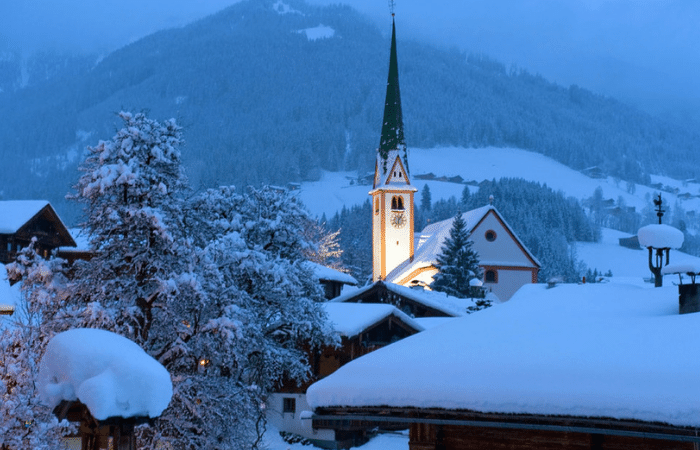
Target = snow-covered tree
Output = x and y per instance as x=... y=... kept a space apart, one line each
x=457 y=263
x=130 y=189
x=214 y=287
x=263 y=305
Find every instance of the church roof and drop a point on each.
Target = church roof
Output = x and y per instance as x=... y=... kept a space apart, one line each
x=432 y=239
x=392 y=143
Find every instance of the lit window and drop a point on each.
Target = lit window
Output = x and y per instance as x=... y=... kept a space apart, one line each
x=289 y=405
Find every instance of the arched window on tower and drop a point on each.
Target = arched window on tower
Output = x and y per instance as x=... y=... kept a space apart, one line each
x=397 y=203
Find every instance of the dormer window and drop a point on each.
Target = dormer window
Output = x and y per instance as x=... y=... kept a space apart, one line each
x=397 y=203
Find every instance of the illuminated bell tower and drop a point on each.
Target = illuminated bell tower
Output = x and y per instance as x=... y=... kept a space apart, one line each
x=392 y=193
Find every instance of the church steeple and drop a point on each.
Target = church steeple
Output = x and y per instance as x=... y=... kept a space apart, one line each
x=392 y=193
x=392 y=125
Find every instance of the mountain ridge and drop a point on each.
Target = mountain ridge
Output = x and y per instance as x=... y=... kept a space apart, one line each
x=261 y=103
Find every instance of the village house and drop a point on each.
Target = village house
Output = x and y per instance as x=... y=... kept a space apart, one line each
x=599 y=366
x=362 y=328
x=21 y=220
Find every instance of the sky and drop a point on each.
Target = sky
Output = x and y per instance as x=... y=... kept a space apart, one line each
x=638 y=50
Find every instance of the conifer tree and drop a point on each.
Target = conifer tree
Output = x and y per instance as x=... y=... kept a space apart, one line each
x=425 y=199
x=457 y=263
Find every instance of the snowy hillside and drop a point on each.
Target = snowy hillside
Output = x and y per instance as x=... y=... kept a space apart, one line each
x=336 y=189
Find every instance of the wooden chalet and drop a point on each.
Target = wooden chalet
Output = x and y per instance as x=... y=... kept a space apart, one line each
x=593 y=366
x=362 y=328
x=21 y=220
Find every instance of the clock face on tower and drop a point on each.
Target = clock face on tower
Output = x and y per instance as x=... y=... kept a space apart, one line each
x=398 y=219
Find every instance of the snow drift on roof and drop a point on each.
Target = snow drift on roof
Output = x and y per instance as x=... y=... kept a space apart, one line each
x=596 y=350
x=351 y=319
x=108 y=373
x=326 y=273
x=15 y=213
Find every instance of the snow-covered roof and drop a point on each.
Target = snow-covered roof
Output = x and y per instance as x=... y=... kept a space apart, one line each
x=613 y=350
x=108 y=373
x=440 y=301
x=351 y=319
x=326 y=273
x=432 y=239
x=660 y=236
x=15 y=213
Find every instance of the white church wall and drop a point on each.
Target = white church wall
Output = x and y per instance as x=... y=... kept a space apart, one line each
x=504 y=248
x=508 y=281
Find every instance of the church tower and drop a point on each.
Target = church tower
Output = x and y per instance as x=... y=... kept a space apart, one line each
x=392 y=192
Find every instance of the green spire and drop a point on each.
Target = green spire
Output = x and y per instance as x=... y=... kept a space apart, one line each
x=392 y=125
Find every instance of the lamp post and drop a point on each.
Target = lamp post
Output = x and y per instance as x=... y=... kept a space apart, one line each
x=659 y=240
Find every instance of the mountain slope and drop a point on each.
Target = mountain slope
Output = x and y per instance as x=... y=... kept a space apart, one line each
x=263 y=102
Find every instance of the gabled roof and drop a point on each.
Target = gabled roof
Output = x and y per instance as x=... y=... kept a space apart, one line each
x=351 y=319
x=16 y=214
x=617 y=350
x=432 y=239
x=440 y=302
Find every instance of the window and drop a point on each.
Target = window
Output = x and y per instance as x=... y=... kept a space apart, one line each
x=289 y=405
x=397 y=203
x=376 y=206
x=491 y=276
x=490 y=235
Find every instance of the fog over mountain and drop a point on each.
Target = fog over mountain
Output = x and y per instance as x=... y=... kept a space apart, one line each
x=638 y=51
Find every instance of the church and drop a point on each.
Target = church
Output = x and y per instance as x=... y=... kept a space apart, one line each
x=400 y=256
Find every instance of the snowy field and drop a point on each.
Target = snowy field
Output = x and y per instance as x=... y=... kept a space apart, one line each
x=478 y=164
x=623 y=262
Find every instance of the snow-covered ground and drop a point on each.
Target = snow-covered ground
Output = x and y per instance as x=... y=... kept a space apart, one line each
x=335 y=190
